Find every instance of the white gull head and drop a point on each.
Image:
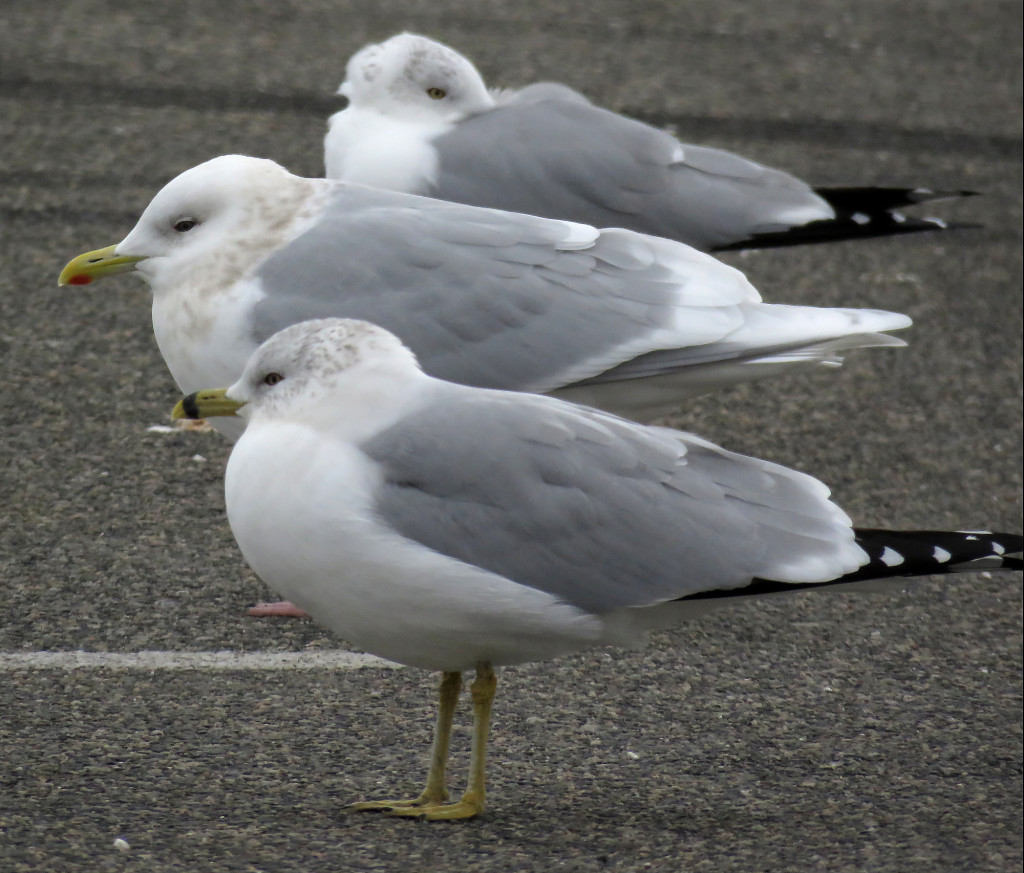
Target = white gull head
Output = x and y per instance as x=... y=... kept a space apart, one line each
x=347 y=377
x=414 y=77
x=186 y=226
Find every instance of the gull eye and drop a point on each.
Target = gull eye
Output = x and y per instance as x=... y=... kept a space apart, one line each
x=272 y=378
x=436 y=93
x=184 y=225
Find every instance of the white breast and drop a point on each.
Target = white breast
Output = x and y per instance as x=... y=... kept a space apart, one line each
x=205 y=338
x=366 y=147
x=306 y=525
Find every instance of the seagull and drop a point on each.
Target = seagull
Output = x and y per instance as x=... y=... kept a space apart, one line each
x=421 y=120
x=237 y=248
x=450 y=528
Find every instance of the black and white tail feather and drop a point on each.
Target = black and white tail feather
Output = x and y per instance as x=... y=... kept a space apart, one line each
x=861 y=213
x=897 y=554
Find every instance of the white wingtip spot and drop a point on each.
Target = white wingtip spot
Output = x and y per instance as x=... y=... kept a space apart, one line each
x=578 y=236
x=861 y=218
x=891 y=558
x=941 y=555
x=998 y=548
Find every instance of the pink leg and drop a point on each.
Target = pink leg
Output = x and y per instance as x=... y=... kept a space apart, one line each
x=281 y=607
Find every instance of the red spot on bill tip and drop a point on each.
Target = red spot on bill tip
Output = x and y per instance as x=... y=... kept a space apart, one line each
x=80 y=279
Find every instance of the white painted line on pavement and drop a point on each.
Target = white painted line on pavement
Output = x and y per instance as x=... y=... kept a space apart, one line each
x=226 y=660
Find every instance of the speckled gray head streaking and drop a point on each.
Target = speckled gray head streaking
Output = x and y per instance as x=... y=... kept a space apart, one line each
x=295 y=364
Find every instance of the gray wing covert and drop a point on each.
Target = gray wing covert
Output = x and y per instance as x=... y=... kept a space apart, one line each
x=482 y=297
x=548 y=155
x=598 y=512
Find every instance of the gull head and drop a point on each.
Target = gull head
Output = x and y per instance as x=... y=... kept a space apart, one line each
x=216 y=220
x=412 y=77
x=338 y=374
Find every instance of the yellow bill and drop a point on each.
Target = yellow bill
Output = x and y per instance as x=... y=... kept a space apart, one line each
x=208 y=403
x=95 y=265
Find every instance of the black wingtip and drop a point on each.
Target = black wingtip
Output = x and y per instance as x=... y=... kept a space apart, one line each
x=846 y=199
x=852 y=228
x=860 y=213
x=924 y=552
x=897 y=554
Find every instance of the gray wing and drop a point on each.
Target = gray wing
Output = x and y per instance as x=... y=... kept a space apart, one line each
x=538 y=92
x=545 y=153
x=597 y=511
x=496 y=299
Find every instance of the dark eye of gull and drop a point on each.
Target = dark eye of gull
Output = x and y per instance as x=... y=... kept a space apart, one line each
x=184 y=225
x=436 y=93
x=272 y=378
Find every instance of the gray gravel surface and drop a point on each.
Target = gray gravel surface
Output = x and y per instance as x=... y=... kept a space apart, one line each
x=811 y=733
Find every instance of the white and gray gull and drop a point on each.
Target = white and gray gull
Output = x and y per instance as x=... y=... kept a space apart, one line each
x=237 y=248
x=449 y=527
x=421 y=120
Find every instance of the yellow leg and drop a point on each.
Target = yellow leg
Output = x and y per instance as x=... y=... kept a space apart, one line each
x=434 y=792
x=473 y=801
x=430 y=805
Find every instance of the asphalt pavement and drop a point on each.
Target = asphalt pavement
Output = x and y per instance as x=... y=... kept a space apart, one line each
x=812 y=733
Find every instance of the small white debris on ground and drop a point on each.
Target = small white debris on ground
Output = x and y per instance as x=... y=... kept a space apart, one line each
x=199 y=425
